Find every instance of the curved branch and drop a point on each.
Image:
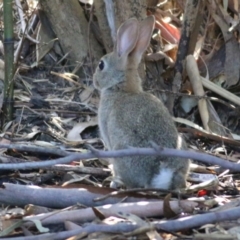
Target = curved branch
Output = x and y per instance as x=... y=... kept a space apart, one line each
x=122 y=153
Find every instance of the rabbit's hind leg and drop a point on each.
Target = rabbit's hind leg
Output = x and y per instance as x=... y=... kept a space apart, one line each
x=178 y=181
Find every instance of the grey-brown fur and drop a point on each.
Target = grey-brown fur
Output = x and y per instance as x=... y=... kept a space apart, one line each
x=130 y=117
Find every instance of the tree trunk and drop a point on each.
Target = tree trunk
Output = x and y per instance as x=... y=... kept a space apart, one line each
x=71 y=28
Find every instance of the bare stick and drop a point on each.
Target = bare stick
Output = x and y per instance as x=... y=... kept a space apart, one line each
x=20 y=195
x=123 y=153
x=36 y=149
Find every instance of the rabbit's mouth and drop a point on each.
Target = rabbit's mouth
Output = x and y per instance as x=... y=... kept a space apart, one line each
x=96 y=84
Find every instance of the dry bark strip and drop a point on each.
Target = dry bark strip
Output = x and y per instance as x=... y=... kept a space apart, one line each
x=191 y=26
x=140 y=209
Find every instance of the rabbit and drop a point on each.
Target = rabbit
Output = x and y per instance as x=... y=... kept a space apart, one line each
x=130 y=117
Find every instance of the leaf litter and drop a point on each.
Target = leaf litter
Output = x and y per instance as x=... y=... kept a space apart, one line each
x=55 y=111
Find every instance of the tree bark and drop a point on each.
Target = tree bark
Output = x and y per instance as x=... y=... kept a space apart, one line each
x=71 y=28
x=100 y=11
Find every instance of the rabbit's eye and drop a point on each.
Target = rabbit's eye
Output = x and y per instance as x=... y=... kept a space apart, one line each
x=101 y=65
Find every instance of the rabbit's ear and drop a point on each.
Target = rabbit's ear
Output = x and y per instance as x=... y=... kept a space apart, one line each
x=145 y=32
x=127 y=36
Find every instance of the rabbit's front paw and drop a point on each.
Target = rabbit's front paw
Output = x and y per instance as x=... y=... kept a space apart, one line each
x=116 y=183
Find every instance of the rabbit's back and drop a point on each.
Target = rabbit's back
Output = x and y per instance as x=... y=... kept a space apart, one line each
x=136 y=119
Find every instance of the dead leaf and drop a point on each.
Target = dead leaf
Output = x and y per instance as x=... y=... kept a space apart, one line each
x=146 y=227
x=46 y=42
x=32 y=3
x=201 y=177
x=71 y=226
x=155 y=56
x=131 y=217
x=72 y=177
x=41 y=143
x=74 y=134
x=188 y=103
x=34 y=209
x=2 y=71
x=169 y=32
x=167 y=210
x=154 y=235
x=85 y=95
x=87 y=1
x=98 y=213
x=112 y=220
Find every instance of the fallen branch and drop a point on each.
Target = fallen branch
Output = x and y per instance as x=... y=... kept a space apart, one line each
x=21 y=195
x=123 y=153
x=168 y=226
x=36 y=149
x=87 y=170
